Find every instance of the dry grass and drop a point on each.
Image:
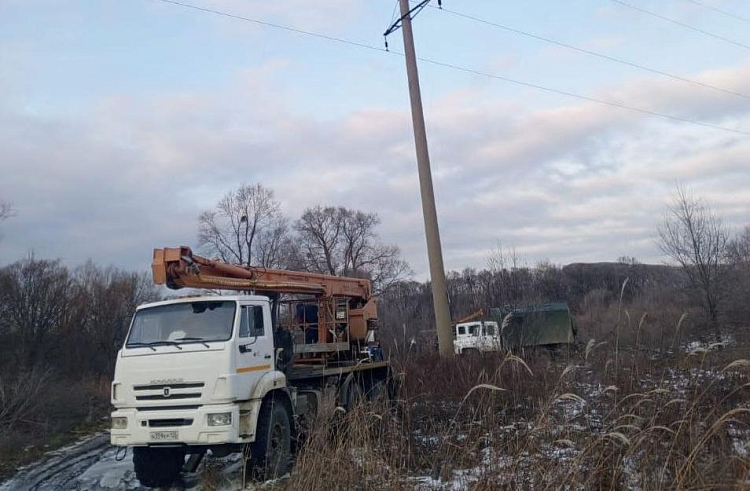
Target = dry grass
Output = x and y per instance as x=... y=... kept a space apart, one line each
x=653 y=420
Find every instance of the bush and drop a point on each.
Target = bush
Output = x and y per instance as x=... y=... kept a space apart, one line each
x=44 y=413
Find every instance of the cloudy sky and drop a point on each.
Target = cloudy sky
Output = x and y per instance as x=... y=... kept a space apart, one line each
x=120 y=120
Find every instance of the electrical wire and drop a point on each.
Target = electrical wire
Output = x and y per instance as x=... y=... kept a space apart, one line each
x=594 y=53
x=711 y=7
x=393 y=14
x=460 y=68
x=584 y=97
x=273 y=25
x=682 y=24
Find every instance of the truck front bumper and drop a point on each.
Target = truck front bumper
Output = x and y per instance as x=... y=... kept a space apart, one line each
x=176 y=426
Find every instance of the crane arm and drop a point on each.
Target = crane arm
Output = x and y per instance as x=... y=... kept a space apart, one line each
x=476 y=315
x=178 y=268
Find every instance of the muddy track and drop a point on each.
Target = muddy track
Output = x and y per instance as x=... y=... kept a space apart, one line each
x=92 y=464
x=62 y=469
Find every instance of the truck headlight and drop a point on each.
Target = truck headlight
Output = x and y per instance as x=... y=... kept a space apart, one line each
x=219 y=419
x=119 y=423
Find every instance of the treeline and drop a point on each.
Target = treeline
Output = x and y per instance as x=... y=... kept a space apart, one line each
x=406 y=309
x=73 y=321
x=68 y=322
x=715 y=298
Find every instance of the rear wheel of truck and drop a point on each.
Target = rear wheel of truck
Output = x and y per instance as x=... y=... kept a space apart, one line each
x=353 y=395
x=271 y=451
x=157 y=467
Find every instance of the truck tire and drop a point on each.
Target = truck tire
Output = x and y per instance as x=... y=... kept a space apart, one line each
x=377 y=392
x=157 y=467
x=353 y=395
x=271 y=451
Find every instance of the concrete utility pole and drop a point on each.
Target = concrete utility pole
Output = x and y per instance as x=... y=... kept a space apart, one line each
x=434 y=250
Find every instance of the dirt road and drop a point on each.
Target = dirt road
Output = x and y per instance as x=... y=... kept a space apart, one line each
x=92 y=464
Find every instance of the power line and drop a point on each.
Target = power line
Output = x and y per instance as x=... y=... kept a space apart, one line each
x=584 y=97
x=458 y=68
x=272 y=25
x=725 y=12
x=682 y=24
x=594 y=53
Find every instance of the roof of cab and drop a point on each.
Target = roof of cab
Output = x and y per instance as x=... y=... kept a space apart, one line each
x=206 y=298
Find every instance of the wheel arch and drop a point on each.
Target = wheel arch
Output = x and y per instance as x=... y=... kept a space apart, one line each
x=281 y=395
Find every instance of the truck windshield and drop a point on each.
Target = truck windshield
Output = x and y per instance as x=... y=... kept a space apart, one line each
x=194 y=322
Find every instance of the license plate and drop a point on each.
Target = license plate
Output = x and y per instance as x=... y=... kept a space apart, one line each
x=158 y=436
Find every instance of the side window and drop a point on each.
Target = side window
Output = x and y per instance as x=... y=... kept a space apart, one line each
x=461 y=329
x=251 y=322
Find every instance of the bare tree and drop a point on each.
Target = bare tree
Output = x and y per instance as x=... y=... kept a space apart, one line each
x=511 y=280
x=6 y=211
x=344 y=242
x=738 y=258
x=275 y=245
x=244 y=227
x=738 y=249
x=358 y=231
x=319 y=230
x=33 y=300
x=102 y=301
x=694 y=237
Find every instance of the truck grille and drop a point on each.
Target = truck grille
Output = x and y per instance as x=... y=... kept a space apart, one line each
x=168 y=408
x=165 y=423
x=168 y=392
x=181 y=385
x=172 y=396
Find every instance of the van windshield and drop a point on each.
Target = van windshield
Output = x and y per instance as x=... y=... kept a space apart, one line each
x=194 y=322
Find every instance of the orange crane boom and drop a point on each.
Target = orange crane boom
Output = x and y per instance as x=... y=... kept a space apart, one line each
x=476 y=315
x=178 y=267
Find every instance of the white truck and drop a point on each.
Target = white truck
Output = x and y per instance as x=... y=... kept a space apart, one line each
x=476 y=337
x=240 y=373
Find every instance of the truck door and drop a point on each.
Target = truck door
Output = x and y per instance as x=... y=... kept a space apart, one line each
x=255 y=346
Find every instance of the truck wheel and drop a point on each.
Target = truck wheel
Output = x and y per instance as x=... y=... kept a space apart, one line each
x=354 y=395
x=378 y=392
x=271 y=451
x=157 y=467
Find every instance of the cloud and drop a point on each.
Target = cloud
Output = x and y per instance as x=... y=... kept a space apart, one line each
x=573 y=182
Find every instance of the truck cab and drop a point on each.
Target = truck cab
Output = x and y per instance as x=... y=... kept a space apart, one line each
x=476 y=337
x=193 y=375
